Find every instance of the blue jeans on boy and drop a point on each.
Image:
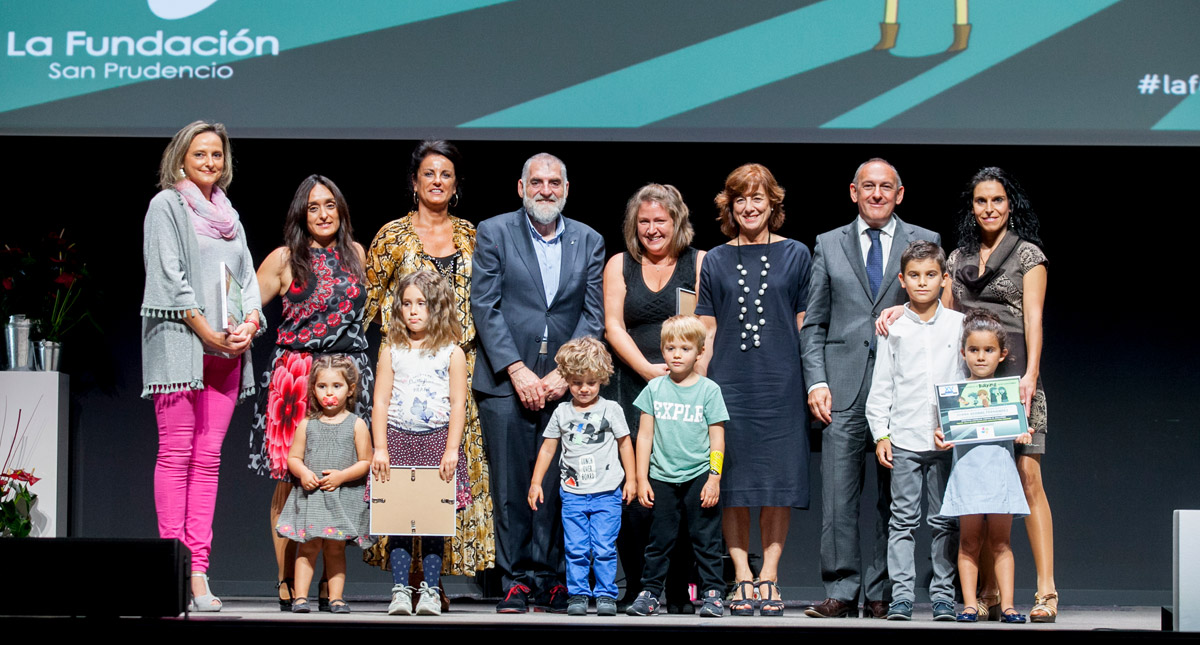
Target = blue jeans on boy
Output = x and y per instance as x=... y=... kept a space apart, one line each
x=590 y=526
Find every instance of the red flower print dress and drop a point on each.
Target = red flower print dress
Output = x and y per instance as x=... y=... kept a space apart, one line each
x=323 y=317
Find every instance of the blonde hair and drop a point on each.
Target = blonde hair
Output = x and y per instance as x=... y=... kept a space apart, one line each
x=685 y=327
x=169 y=169
x=584 y=357
x=443 y=327
x=339 y=363
x=671 y=200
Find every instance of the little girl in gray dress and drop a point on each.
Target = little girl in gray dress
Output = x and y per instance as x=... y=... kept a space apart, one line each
x=329 y=458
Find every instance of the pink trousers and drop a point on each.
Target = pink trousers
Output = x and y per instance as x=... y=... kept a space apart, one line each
x=191 y=427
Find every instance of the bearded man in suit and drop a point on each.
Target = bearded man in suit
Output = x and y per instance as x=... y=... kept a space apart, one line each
x=536 y=284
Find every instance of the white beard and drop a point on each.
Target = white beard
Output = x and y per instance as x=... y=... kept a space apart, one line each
x=545 y=211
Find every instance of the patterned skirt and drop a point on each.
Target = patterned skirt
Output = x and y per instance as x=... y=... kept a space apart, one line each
x=426 y=449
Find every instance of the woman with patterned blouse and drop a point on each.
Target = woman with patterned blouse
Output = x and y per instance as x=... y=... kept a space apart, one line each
x=429 y=237
x=319 y=274
x=999 y=266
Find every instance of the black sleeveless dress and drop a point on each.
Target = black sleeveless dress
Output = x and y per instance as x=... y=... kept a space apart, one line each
x=645 y=311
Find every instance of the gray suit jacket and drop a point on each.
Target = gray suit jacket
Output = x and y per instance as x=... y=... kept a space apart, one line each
x=835 y=340
x=508 y=298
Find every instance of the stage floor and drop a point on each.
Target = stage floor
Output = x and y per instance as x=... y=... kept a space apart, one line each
x=478 y=614
x=251 y=619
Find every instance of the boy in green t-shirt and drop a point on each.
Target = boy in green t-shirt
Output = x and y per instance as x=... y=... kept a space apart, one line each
x=680 y=451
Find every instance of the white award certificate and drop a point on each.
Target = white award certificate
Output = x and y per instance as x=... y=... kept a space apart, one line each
x=983 y=410
x=231 y=301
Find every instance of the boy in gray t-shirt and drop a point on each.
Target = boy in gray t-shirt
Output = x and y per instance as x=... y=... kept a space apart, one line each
x=596 y=455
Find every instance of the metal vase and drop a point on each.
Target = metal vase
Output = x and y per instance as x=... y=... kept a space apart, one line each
x=16 y=340
x=49 y=353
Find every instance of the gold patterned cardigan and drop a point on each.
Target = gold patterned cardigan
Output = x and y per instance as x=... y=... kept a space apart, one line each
x=395 y=252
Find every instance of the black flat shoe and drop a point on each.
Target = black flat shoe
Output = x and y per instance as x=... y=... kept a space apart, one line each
x=285 y=604
x=323 y=601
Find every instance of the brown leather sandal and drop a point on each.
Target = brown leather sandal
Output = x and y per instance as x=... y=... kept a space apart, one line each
x=1042 y=603
x=988 y=606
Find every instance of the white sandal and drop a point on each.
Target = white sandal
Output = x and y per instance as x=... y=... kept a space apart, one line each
x=206 y=602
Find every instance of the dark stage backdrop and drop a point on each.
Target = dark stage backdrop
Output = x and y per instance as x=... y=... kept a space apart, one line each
x=1122 y=413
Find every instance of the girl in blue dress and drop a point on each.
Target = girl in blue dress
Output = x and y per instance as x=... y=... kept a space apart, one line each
x=984 y=490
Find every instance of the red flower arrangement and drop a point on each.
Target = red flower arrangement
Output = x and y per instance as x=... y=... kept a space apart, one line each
x=16 y=502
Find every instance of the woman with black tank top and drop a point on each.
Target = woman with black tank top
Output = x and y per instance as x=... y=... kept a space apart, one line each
x=642 y=288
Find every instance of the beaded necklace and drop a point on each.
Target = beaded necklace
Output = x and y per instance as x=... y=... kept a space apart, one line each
x=750 y=329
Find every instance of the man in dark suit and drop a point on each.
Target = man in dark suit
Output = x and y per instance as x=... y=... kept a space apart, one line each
x=853 y=280
x=536 y=284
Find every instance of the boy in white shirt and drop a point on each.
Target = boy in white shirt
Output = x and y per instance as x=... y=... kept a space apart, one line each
x=920 y=351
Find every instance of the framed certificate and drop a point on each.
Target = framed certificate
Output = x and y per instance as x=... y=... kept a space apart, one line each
x=231 y=301
x=983 y=410
x=415 y=501
x=685 y=301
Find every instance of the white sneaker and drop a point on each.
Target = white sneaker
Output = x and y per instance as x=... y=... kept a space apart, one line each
x=401 y=604
x=429 y=602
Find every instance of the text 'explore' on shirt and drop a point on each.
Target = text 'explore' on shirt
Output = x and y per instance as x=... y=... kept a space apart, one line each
x=682 y=416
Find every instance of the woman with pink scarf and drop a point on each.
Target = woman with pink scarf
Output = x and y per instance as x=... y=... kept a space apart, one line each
x=195 y=365
x=318 y=273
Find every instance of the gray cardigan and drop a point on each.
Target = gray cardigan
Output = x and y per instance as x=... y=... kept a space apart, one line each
x=172 y=354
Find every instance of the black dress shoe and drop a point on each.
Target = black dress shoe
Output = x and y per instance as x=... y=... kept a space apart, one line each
x=834 y=608
x=875 y=609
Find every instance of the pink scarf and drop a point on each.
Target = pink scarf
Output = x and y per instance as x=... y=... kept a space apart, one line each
x=217 y=218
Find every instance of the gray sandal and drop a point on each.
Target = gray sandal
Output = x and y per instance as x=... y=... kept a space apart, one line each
x=205 y=602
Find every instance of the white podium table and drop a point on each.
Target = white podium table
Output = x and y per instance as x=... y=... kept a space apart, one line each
x=42 y=401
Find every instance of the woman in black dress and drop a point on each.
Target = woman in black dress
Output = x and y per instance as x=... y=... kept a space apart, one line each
x=642 y=289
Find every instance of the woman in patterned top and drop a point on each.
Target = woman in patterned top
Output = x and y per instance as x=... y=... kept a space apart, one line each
x=999 y=266
x=319 y=274
x=429 y=237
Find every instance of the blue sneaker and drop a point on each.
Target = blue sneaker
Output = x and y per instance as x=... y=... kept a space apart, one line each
x=713 y=607
x=943 y=610
x=644 y=605
x=900 y=610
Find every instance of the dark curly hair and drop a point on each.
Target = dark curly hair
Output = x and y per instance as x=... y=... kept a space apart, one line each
x=1021 y=218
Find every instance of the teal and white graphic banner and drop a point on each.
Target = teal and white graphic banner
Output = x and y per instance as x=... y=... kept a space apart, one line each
x=977 y=71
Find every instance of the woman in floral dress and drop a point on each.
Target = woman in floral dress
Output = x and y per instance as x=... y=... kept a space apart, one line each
x=319 y=274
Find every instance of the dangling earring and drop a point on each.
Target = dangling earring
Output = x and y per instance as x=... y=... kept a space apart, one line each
x=182 y=173
x=414 y=200
x=454 y=200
